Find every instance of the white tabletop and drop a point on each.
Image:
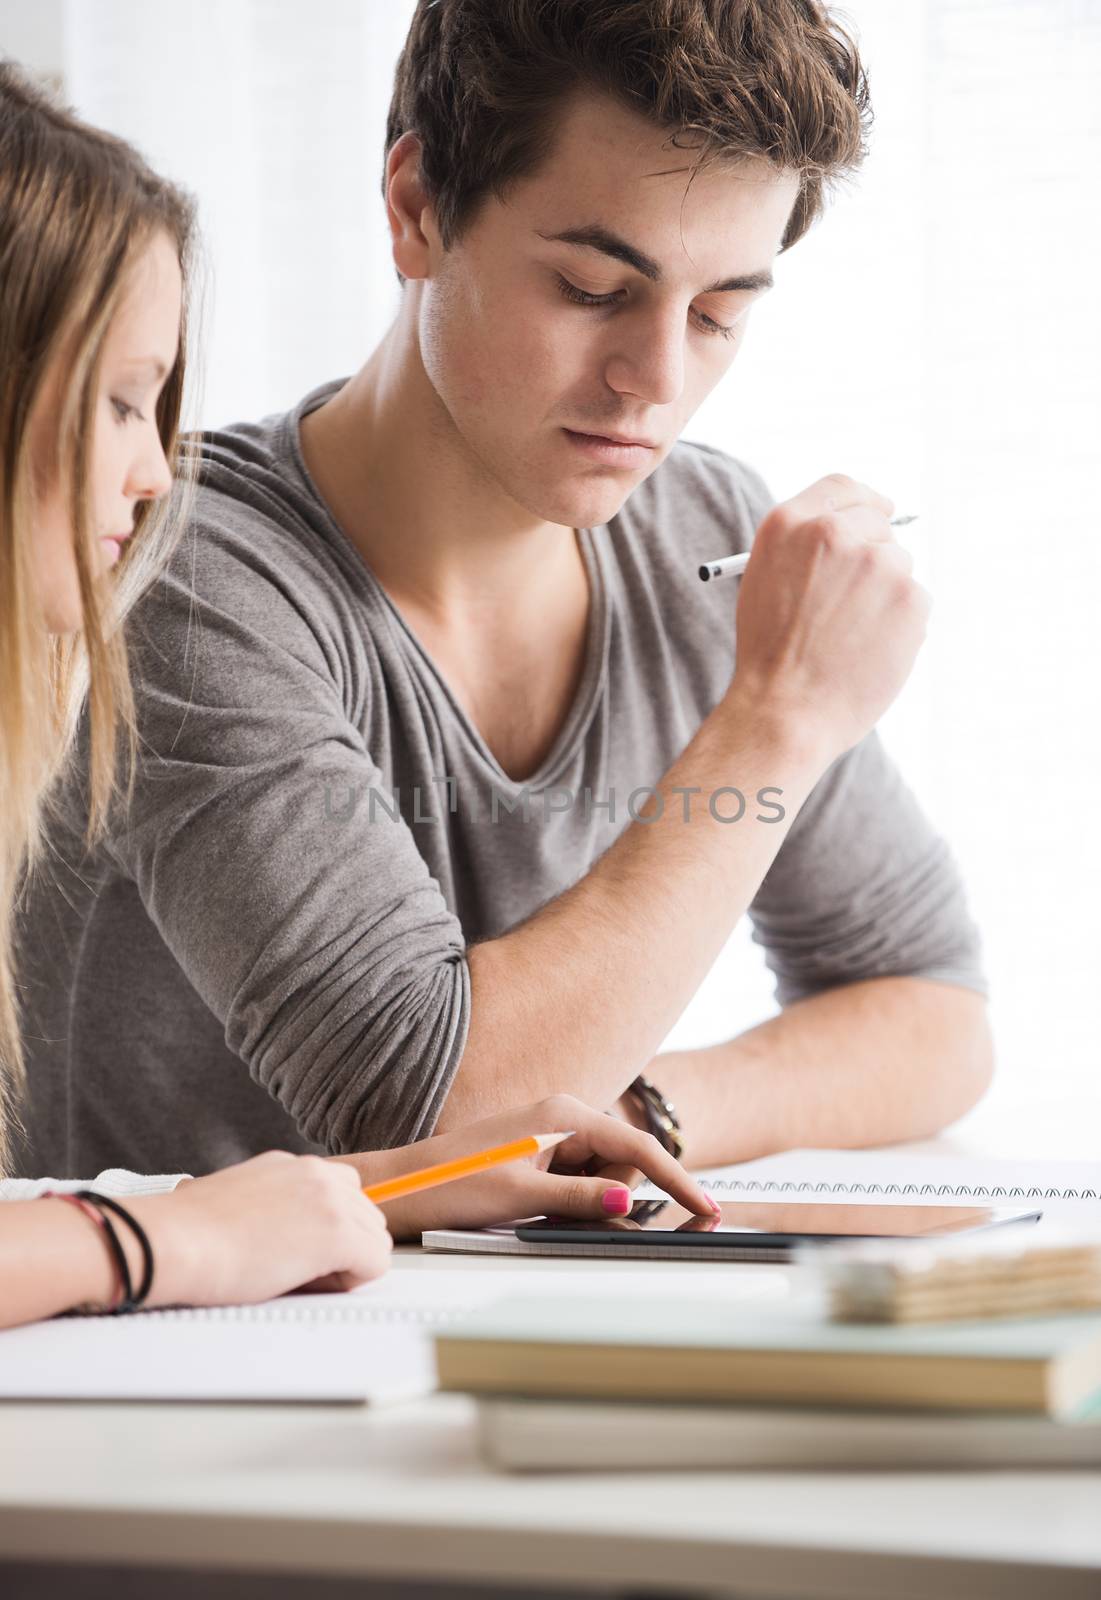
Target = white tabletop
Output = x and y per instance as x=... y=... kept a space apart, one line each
x=400 y=1491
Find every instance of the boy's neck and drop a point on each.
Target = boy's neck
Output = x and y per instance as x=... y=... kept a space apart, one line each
x=426 y=516
x=499 y=599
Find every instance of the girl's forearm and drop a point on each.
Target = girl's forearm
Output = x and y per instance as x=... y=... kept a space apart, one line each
x=52 y=1259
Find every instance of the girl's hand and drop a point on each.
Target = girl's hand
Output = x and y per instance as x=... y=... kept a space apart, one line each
x=256 y=1230
x=553 y=1184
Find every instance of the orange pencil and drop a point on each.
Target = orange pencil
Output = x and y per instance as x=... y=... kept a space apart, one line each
x=448 y=1171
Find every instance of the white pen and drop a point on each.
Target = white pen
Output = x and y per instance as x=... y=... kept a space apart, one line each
x=734 y=566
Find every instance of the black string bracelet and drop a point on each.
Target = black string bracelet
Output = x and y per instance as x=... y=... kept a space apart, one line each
x=103 y=1203
x=85 y=1201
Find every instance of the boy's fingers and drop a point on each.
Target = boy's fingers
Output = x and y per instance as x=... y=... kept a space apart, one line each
x=837 y=493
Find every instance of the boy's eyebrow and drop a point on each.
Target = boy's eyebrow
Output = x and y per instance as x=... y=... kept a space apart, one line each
x=595 y=237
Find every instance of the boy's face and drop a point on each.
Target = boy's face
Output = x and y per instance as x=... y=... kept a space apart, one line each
x=530 y=379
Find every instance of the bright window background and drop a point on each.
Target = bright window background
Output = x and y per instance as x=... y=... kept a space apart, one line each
x=938 y=335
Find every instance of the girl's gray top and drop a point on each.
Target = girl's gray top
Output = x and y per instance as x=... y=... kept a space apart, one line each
x=271 y=951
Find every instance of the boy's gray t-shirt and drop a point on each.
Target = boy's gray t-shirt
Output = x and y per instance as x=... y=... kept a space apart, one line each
x=271 y=952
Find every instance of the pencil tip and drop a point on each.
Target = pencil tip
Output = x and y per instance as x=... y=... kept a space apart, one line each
x=547 y=1141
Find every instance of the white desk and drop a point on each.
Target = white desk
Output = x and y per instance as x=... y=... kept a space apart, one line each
x=400 y=1494
x=348 y=1501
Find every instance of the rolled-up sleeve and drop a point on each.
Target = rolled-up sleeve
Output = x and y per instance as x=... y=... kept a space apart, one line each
x=309 y=926
x=864 y=887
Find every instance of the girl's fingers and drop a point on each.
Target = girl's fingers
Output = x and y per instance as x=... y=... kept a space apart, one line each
x=616 y=1172
x=328 y=1283
x=619 y=1144
x=564 y=1195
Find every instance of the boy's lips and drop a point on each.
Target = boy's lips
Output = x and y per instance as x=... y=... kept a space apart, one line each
x=610 y=452
x=615 y=438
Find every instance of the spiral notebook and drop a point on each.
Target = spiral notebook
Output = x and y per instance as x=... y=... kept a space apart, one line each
x=313 y=1348
x=894 y=1175
x=371 y=1345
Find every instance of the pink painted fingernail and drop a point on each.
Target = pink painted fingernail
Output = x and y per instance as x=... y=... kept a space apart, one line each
x=715 y=1206
x=616 y=1202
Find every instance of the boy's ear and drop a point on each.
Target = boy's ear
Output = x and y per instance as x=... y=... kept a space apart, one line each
x=408 y=209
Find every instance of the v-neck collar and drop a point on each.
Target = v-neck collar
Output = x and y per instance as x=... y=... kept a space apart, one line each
x=586 y=697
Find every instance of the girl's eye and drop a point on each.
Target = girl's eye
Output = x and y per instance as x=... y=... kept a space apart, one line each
x=580 y=298
x=124 y=411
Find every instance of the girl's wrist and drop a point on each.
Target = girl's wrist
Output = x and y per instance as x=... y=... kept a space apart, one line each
x=83 y=1259
x=176 y=1250
x=107 y=1255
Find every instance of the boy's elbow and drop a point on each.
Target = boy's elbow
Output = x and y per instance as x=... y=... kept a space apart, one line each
x=969 y=1061
x=979 y=1071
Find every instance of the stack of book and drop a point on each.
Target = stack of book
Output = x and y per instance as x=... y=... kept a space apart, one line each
x=662 y=1383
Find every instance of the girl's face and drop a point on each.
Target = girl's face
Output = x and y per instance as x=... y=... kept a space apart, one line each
x=127 y=459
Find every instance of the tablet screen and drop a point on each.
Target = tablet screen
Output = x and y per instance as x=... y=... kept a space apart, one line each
x=787 y=1220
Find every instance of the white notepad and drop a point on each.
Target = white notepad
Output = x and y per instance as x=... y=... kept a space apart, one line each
x=309 y=1348
x=370 y=1345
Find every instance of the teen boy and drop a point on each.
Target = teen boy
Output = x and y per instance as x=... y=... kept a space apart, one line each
x=455 y=778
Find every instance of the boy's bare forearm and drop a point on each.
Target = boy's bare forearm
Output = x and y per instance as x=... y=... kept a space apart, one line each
x=581 y=996
x=866 y=1063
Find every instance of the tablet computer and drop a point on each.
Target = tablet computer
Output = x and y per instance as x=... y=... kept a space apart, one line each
x=752 y=1230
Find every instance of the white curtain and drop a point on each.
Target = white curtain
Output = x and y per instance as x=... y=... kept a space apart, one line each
x=273 y=113
x=937 y=335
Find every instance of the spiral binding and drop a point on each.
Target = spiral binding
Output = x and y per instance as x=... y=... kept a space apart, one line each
x=942 y=1191
x=285 y=1311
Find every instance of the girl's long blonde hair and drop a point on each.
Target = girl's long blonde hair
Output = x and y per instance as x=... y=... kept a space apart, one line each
x=78 y=207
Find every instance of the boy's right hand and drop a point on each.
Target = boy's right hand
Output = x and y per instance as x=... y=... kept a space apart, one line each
x=829 y=619
x=259 y=1229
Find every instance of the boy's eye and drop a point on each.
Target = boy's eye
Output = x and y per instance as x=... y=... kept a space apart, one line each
x=580 y=297
x=709 y=325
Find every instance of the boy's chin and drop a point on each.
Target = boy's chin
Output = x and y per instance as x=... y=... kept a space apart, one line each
x=590 y=507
